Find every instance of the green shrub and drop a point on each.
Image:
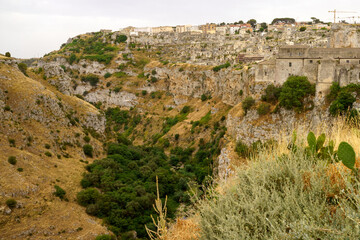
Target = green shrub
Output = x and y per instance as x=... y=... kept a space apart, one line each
x=185 y=110
x=302 y=29
x=11 y=203
x=91 y=78
x=272 y=94
x=7 y=108
x=247 y=104
x=143 y=92
x=11 y=142
x=153 y=79
x=263 y=109
x=87 y=139
x=121 y=38
x=107 y=75
x=294 y=91
x=20 y=169
x=117 y=89
x=103 y=58
x=88 y=150
x=59 y=192
x=342 y=104
x=72 y=58
x=23 y=67
x=218 y=68
x=48 y=154
x=120 y=74
x=242 y=149
x=47 y=146
x=153 y=72
x=308 y=205
x=88 y=196
x=177 y=137
x=205 y=97
x=12 y=160
x=7 y=54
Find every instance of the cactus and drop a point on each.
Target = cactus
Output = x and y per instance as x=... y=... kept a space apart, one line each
x=311 y=141
x=320 y=142
x=346 y=155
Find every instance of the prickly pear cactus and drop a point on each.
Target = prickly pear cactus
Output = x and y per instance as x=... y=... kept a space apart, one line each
x=346 y=154
x=311 y=141
x=320 y=142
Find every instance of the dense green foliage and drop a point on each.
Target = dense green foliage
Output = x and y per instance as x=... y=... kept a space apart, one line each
x=263 y=109
x=218 y=68
x=127 y=181
x=12 y=160
x=342 y=99
x=121 y=38
x=11 y=203
x=90 y=78
x=59 y=192
x=88 y=150
x=283 y=20
x=302 y=29
x=72 y=58
x=272 y=94
x=294 y=91
x=92 y=48
x=7 y=54
x=107 y=75
x=121 y=187
x=247 y=103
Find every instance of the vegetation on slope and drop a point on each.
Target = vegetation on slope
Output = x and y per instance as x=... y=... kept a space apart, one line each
x=121 y=187
x=297 y=195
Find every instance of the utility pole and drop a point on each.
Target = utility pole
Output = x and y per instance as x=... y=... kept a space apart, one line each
x=335 y=11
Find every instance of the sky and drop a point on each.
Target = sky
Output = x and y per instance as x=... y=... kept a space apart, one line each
x=32 y=28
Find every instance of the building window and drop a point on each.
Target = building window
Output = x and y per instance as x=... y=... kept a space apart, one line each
x=311 y=61
x=265 y=73
x=347 y=61
x=290 y=64
x=359 y=76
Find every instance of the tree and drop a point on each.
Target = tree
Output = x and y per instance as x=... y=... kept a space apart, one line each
x=121 y=38
x=247 y=104
x=283 y=20
x=315 y=20
x=264 y=25
x=88 y=150
x=7 y=54
x=252 y=22
x=302 y=29
x=294 y=91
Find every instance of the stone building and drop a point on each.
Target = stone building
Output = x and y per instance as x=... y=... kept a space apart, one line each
x=209 y=28
x=322 y=66
x=163 y=29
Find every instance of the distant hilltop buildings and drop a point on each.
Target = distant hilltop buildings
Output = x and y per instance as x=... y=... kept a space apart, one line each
x=231 y=29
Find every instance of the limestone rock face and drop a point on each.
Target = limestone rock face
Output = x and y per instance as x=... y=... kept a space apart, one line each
x=121 y=99
x=224 y=161
x=225 y=84
x=343 y=36
x=250 y=128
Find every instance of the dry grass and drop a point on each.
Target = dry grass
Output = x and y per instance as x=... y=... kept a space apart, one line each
x=184 y=229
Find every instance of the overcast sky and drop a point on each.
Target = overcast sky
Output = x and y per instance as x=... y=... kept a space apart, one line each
x=31 y=28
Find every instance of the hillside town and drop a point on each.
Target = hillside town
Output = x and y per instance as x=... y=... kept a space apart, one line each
x=279 y=25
